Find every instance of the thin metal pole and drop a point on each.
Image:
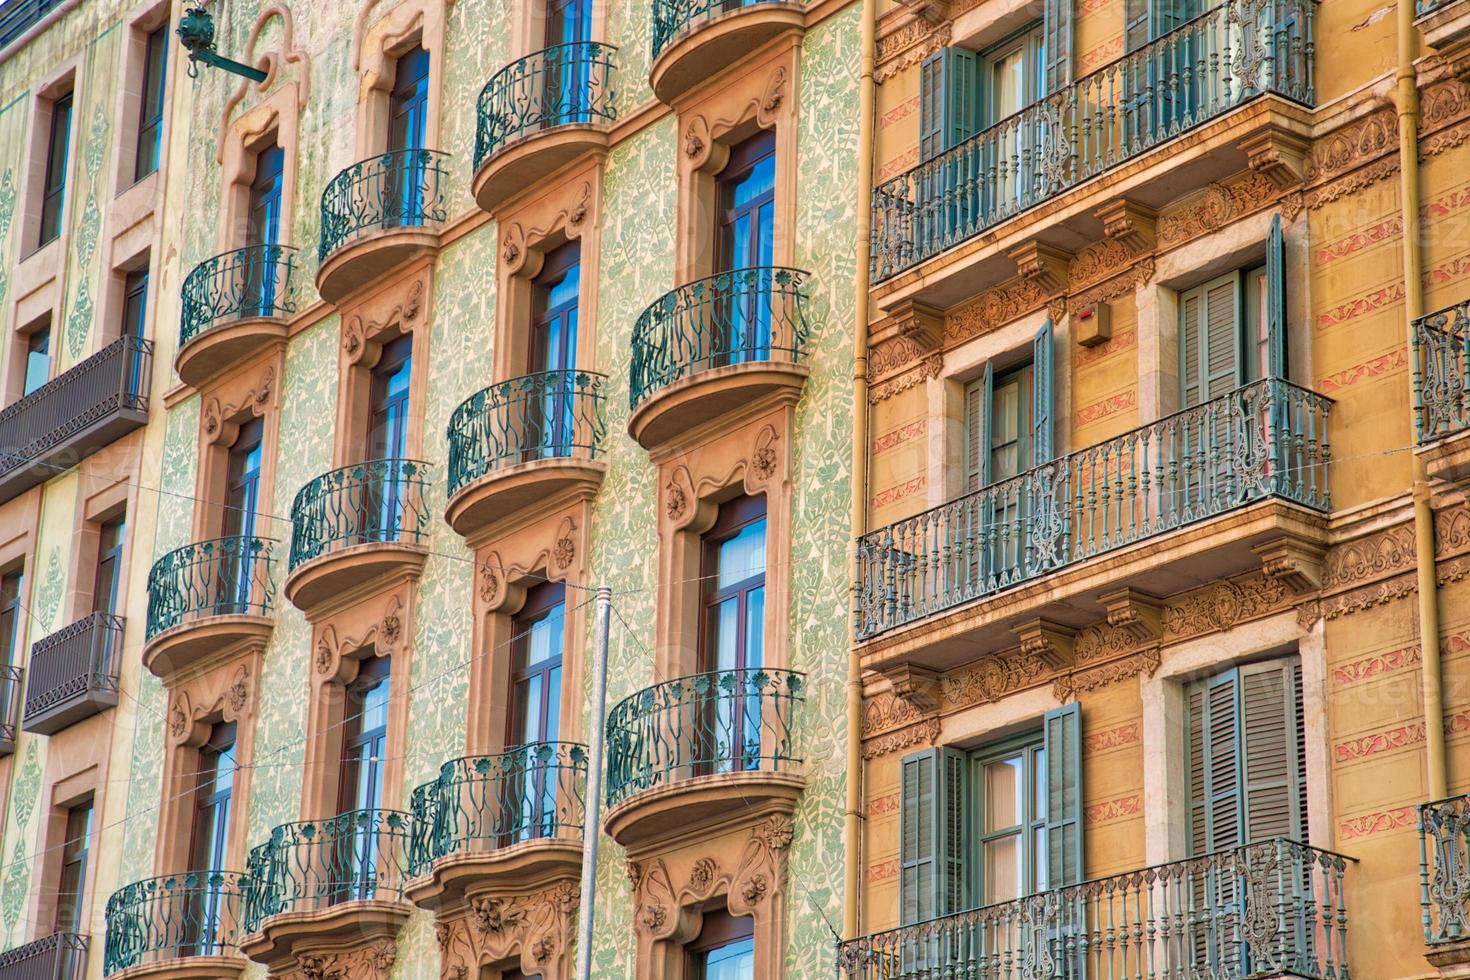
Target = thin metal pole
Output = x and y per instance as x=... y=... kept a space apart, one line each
x=597 y=748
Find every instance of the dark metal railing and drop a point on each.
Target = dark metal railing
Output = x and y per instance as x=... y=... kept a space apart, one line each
x=360 y=855
x=671 y=18
x=223 y=577
x=80 y=660
x=254 y=281
x=1266 y=439
x=172 y=917
x=1215 y=62
x=736 y=317
x=380 y=501
x=485 y=803
x=12 y=685
x=723 y=721
x=19 y=16
x=397 y=189
x=1267 y=909
x=1444 y=870
x=566 y=84
x=59 y=956
x=1441 y=372
x=550 y=415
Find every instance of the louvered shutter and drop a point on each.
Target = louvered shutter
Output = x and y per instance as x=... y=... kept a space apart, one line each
x=932 y=874
x=931 y=106
x=949 y=100
x=1057 y=38
x=1214 y=764
x=1209 y=339
x=1063 y=732
x=1273 y=762
x=1276 y=300
x=977 y=430
x=1042 y=396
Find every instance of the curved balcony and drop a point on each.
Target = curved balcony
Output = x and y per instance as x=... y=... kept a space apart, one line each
x=524 y=442
x=695 y=39
x=378 y=214
x=234 y=305
x=207 y=597
x=540 y=113
x=356 y=524
x=179 y=927
x=325 y=884
x=506 y=822
x=714 y=346
x=696 y=750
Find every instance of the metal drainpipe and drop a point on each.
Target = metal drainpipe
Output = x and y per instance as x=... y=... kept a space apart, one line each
x=1407 y=99
x=852 y=823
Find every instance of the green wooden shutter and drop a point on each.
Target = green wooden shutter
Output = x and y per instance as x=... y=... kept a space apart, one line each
x=1057 y=39
x=1063 y=730
x=1042 y=395
x=932 y=873
x=1276 y=300
x=978 y=395
x=949 y=100
x=1209 y=339
x=1214 y=764
x=1273 y=763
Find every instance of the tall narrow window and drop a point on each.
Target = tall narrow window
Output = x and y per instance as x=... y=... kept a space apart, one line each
x=135 y=303
x=733 y=641
x=109 y=566
x=553 y=348
x=150 y=108
x=408 y=102
x=745 y=201
x=38 y=357
x=724 y=948
x=388 y=400
x=1011 y=783
x=213 y=796
x=242 y=502
x=72 y=883
x=365 y=737
x=568 y=21
x=53 y=192
x=263 y=216
x=537 y=645
x=11 y=586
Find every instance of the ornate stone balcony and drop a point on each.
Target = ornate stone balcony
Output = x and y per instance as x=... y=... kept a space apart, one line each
x=540 y=113
x=234 y=305
x=379 y=214
x=693 y=752
x=59 y=956
x=715 y=346
x=208 y=597
x=73 y=673
x=695 y=39
x=177 y=927
x=1445 y=25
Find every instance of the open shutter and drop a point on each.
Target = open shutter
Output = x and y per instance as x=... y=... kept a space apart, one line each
x=1209 y=339
x=977 y=430
x=1214 y=764
x=949 y=100
x=1057 y=39
x=1273 y=763
x=1276 y=300
x=932 y=834
x=1063 y=728
x=1042 y=396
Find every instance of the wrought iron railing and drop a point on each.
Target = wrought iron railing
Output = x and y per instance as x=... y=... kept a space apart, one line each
x=59 y=956
x=223 y=577
x=1234 y=52
x=485 y=803
x=717 y=722
x=380 y=501
x=1441 y=372
x=550 y=415
x=1266 y=439
x=1272 y=908
x=172 y=917
x=736 y=317
x=566 y=84
x=359 y=855
x=397 y=189
x=79 y=660
x=1444 y=870
x=671 y=18
x=254 y=281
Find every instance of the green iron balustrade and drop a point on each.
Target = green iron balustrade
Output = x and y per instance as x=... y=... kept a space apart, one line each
x=1234 y=52
x=1444 y=870
x=563 y=85
x=380 y=501
x=672 y=18
x=549 y=415
x=397 y=189
x=356 y=856
x=1266 y=909
x=737 y=317
x=59 y=956
x=172 y=917
x=223 y=577
x=254 y=281
x=716 y=722
x=484 y=803
x=1441 y=368
x=1265 y=439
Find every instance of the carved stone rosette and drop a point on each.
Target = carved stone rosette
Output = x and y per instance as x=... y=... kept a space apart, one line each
x=532 y=932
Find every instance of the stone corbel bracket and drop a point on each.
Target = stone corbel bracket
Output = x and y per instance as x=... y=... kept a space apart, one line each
x=1135 y=613
x=1043 y=264
x=1133 y=225
x=1053 y=643
x=1296 y=564
x=1278 y=155
x=916 y=685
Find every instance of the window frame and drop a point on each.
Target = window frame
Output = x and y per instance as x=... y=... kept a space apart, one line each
x=57 y=163
x=373 y=673
x=1031 y=746
x=734 y=517
x=151 y=111
x=207 y=797
x=75 y=855
x=541 y=602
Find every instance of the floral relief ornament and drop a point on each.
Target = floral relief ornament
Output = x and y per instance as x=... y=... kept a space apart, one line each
x=676 y=502
x=564 y=552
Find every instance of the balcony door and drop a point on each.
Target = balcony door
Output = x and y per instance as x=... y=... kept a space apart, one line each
x=1175 y=78
x=1013 y=78
x=71 y=904
x=387 y=442
x=538 y=640
x=550 y=424
x=108 y=575
x=242 y=502
x=204 y=926
x=724 y=948
x=732 y=646
x=408 y=113
x=745 y=202
x=11 y=612
x=353 y=859
x=564 y=86
x=257 y=276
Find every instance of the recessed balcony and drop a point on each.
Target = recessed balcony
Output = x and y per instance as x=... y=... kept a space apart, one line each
x=379 y=214
x=74 y=415
x=716 y=346
x=73 y=673
x=694 y=40
x=695 y=752
x=234 y=305
x=205 y=598
x=524 y=443
x=357 y=525
x=177 y=927
x=59 y=956
x=540 y=113
x=1168 y=506
x=505 y=823
x=1274 y=908
x=326 y=885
